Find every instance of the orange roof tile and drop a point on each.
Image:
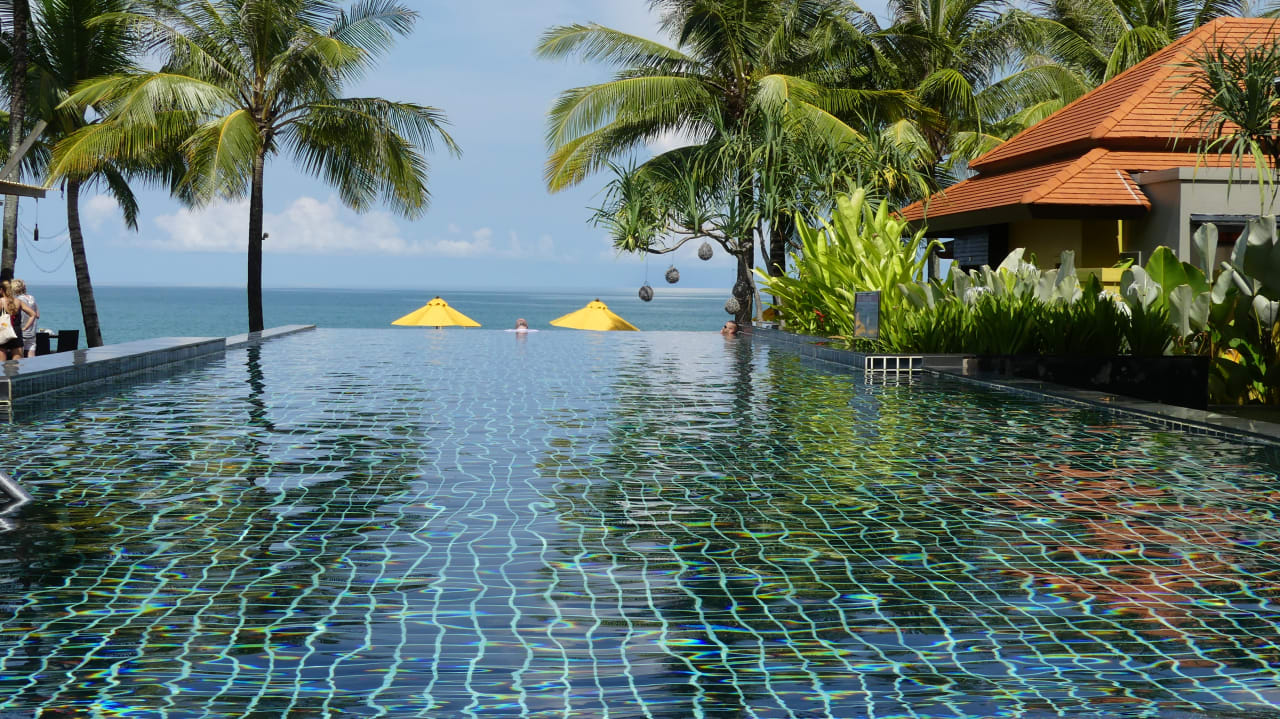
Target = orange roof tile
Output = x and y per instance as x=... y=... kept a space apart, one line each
x=1139 y=109
x=1099 y=178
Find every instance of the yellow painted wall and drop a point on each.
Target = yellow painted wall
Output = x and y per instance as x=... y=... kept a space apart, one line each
x=1101 y=244
x=1095 y=242
x=1046 y=239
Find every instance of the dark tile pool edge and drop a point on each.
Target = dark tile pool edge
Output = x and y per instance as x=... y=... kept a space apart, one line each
x=24 y=379
x=30 y=377
x=1194 y=421
x=819 y=348
x=1167 y=416
x=235 y=342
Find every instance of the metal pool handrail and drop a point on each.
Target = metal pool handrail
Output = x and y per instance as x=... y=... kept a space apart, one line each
x=12 y=497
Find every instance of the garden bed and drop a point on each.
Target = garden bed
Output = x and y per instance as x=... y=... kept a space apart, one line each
x=1182 y=381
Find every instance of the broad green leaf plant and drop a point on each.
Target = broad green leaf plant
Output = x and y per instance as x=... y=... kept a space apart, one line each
x=863 y=247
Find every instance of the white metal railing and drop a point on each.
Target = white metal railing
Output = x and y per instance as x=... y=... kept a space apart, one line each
x=12 y=496
x=893 y=364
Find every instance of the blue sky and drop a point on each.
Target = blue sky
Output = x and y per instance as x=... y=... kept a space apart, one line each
x=492 y=224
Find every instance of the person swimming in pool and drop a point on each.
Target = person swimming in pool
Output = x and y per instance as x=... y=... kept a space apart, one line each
x=730 y=329
x=522 y=326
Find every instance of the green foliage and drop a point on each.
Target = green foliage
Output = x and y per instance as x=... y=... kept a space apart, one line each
x=244 y=80
x=1102 y=38
x=1093 y=325
x=1245 y=319
x=860 y=249
x=1234 y=90
x=1019 y=309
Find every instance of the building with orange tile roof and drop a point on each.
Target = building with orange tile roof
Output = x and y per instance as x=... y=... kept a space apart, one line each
x=1112 y=175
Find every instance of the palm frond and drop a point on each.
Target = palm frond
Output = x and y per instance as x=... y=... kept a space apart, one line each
x=658 y=99
x=1135 y=46
x=370 y=148
x=220 y=156
x=372 y=25
x=598 y=43
x=118 y=188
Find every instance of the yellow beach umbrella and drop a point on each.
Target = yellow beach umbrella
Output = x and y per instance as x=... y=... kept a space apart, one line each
x=436 y=313
x=595 y=316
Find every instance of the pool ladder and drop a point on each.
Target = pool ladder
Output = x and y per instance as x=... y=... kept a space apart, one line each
x=893 y=364
x=12 y=497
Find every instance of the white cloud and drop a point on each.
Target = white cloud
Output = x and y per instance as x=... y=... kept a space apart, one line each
x=671 y=140
x=97 y=210
x=313 y=227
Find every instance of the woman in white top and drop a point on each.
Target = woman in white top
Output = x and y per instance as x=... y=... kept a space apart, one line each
x=27 y=321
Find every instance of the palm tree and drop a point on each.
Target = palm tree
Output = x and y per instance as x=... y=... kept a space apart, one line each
x=20 y=19
x=1103 y=38
x=736 y=67
x=956 y=56
x=66 y=49
x=244 y=80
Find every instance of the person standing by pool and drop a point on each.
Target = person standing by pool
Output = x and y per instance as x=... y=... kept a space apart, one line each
x=28 y=321
x=14 y=307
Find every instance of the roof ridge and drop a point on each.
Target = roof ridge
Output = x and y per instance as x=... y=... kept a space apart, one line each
x=1163 y=70
x=1092 y=119
x=1080 y=164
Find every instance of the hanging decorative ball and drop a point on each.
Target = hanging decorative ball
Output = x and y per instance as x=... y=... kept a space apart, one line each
x=673 y=275
x=733 y=306
x=646 y=292
x=704 y=252
x=741 y=289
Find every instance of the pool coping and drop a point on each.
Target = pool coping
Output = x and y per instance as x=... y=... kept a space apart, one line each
x=235 y=342
x=29 y=377
x=1195 y=421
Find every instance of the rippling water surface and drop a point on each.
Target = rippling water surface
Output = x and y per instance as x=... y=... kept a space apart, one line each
x=444 y=524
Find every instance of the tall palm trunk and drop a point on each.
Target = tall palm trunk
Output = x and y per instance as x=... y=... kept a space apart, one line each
x=17 y=116
x=88 y=306
x=780 y=231
x=746 y=261
x=254 y=283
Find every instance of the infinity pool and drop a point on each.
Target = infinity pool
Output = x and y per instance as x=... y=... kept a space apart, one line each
x=475 y=524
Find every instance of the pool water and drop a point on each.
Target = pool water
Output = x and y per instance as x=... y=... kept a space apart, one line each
x=448 y=524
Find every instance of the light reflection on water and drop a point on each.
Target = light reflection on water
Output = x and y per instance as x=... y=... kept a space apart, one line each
x=656 y=525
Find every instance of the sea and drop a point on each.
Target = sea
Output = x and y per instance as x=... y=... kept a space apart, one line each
x=133 y=313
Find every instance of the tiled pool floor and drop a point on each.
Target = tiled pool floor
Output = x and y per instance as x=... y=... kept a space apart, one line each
x=655 y=525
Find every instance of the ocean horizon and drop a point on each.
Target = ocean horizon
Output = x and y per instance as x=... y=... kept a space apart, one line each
x=129 y=313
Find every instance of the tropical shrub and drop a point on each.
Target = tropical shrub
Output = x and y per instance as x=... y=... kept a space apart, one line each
x=860 y=249
x=1018 y=308
x=1244 y=317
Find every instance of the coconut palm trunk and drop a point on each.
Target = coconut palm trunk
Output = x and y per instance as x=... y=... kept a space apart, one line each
x=247 y=79
x=84 y=286
x=746 y=261
x=17 y=116
x=780 y=231
x=254 y=280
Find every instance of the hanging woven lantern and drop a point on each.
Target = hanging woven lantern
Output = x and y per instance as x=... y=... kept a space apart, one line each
x=646 y=292
x=704 y=252
x=673 y=275
x=741 y=289
x=733 y=306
